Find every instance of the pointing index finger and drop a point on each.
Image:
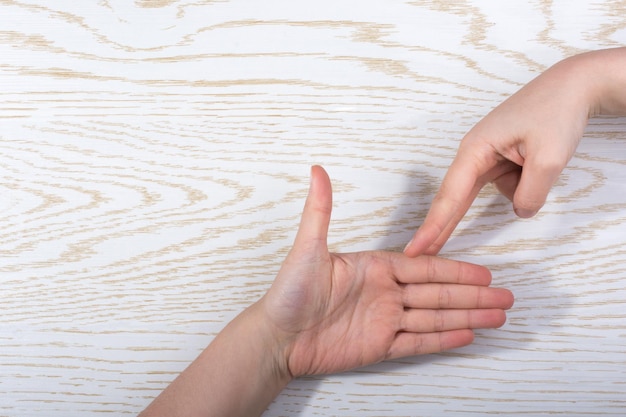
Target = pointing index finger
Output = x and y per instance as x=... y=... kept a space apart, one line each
x=455 y=195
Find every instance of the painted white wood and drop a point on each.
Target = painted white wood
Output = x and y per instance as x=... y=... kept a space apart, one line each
x=154 y=158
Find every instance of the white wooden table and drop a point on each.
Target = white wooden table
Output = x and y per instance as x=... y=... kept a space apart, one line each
x=154 y=159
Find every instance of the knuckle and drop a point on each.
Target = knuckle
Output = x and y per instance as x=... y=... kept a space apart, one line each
x=439 y=322
x=445 y=297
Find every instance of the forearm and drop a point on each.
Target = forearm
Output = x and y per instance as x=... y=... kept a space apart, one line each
x=238 y=374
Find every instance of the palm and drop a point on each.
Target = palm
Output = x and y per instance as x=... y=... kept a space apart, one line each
x=341 y=311
x=357 y=321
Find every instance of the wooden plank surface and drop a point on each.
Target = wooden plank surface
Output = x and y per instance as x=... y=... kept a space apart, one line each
x=154 y=160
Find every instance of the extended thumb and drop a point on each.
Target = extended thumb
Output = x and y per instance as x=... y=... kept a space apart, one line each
x=315 y=219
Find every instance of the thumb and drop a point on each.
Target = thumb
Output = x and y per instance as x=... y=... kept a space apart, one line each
x=539 y=173
x=507 y=183
x=313 y=230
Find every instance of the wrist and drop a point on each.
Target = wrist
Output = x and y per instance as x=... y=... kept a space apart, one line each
x=576 y=79
x=245 y=358
x=238 y=374
x=601 y=77
x=270 y=346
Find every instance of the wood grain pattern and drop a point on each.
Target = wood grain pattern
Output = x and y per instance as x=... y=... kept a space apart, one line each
x=154 y=159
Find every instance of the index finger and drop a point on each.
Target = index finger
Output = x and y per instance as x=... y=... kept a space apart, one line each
x=456 y=193
x=433 y=269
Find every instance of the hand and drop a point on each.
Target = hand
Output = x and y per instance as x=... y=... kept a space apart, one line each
x=521 y=146
x=327 y=313
x=333 y=312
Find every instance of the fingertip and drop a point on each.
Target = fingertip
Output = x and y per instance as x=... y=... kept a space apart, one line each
x=454 y=339
x=320 y=187
x=316 y=214
x=524 y=213
x=409 y=250
x=539 y=173
x=511 y=300
x=486 y=272
x=415 y=246
x=503 y=298
x=317 y=173
x=471 y=336
x=317 y=170
x=421 y=242
x=501 y=320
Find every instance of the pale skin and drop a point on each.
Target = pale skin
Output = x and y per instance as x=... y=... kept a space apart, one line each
x=330 y=312
x=524 y=143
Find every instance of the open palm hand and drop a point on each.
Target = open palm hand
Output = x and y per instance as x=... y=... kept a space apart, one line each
x=334 y=312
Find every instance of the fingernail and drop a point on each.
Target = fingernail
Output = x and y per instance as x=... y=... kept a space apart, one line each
x=525 y=213
x=407 y=245
x=311 y=170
